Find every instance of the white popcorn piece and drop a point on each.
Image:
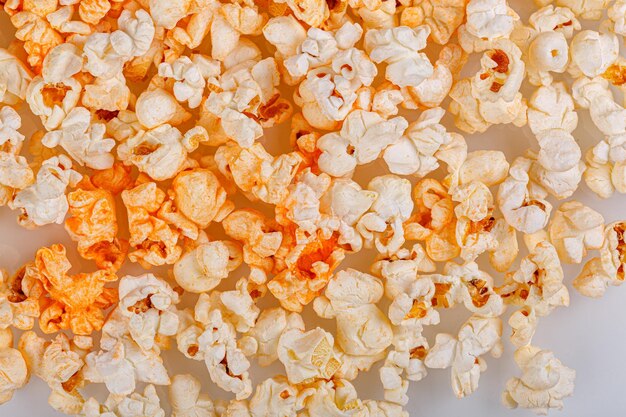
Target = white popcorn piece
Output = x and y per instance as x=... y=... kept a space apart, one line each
x=12 y=367
x=491 y=96
x=544 y=382
x=190 y=82
x=186 y=399
x=593 y=52
x=350 y=297
x=521 y=201
x=121 y=364
x=363 y=137
x=316 y=49
x=209 y=336
x=161 y=152
x=574 y=229
x=586 y=9
x=15 y=174
x=490 y=19
x=308 y=355
x=545 y=43
x=418 y=150
x=462 y=353
x=288 y=35
x=523 y=324
x=538 y=283
x=330 y=398
x=53 y=101
x=14 y=78
x=157 y=107
x=382 y=225
x=607 y=269
x=147 y=404
x=617 y=15
x=82 y=140
x=274 y=397
x=399 y=48
x=45 y=202
x=552 y=118
x=59 y=363
x=148 y=303
x=106 y=53
x=342 y=206
x=204 y=267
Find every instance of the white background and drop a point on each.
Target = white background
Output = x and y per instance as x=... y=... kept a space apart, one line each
x=589 y=336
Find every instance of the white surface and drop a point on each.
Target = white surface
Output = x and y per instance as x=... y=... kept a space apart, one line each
x=589 y=336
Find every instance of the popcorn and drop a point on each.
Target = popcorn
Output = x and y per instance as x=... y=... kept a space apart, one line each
x=121 y=364
x=382 y=224
x=443 y=18
x=106 y=53
x=363 y=136
x=399 y=48
x=416 y=152
x=433 y=221
x=186 y=399
x=257 y=172
x=60 y=363
x=148 y=303
x=93 y=225
x=350 y=297
x=462 y=353
x=13 y=366
x=204 y=267
x=72 y=302
x=605 y=270
x=489 y=19
x=308 y=355
x=552 y=119
x=210 y=337
x=19 y=299
x=15 y=174
x=544 y=383
x=85 y=143
x=173 y=107
x=521 y=201
x=146 y=404
x=538 y=283
x=587 y=9
x=593 y=52
x=574 y=229
x=153 y=240
x=44 y=202
x=304 y=269
x=265 y=334
x=14 y=79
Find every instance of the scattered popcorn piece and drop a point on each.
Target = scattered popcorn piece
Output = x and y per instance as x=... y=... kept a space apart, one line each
x=574 y=229
x=544 y=383
x=12 y=366
x=607 y=269
x=476 y=337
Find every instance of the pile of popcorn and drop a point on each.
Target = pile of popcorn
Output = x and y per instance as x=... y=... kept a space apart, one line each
x=158 y=120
